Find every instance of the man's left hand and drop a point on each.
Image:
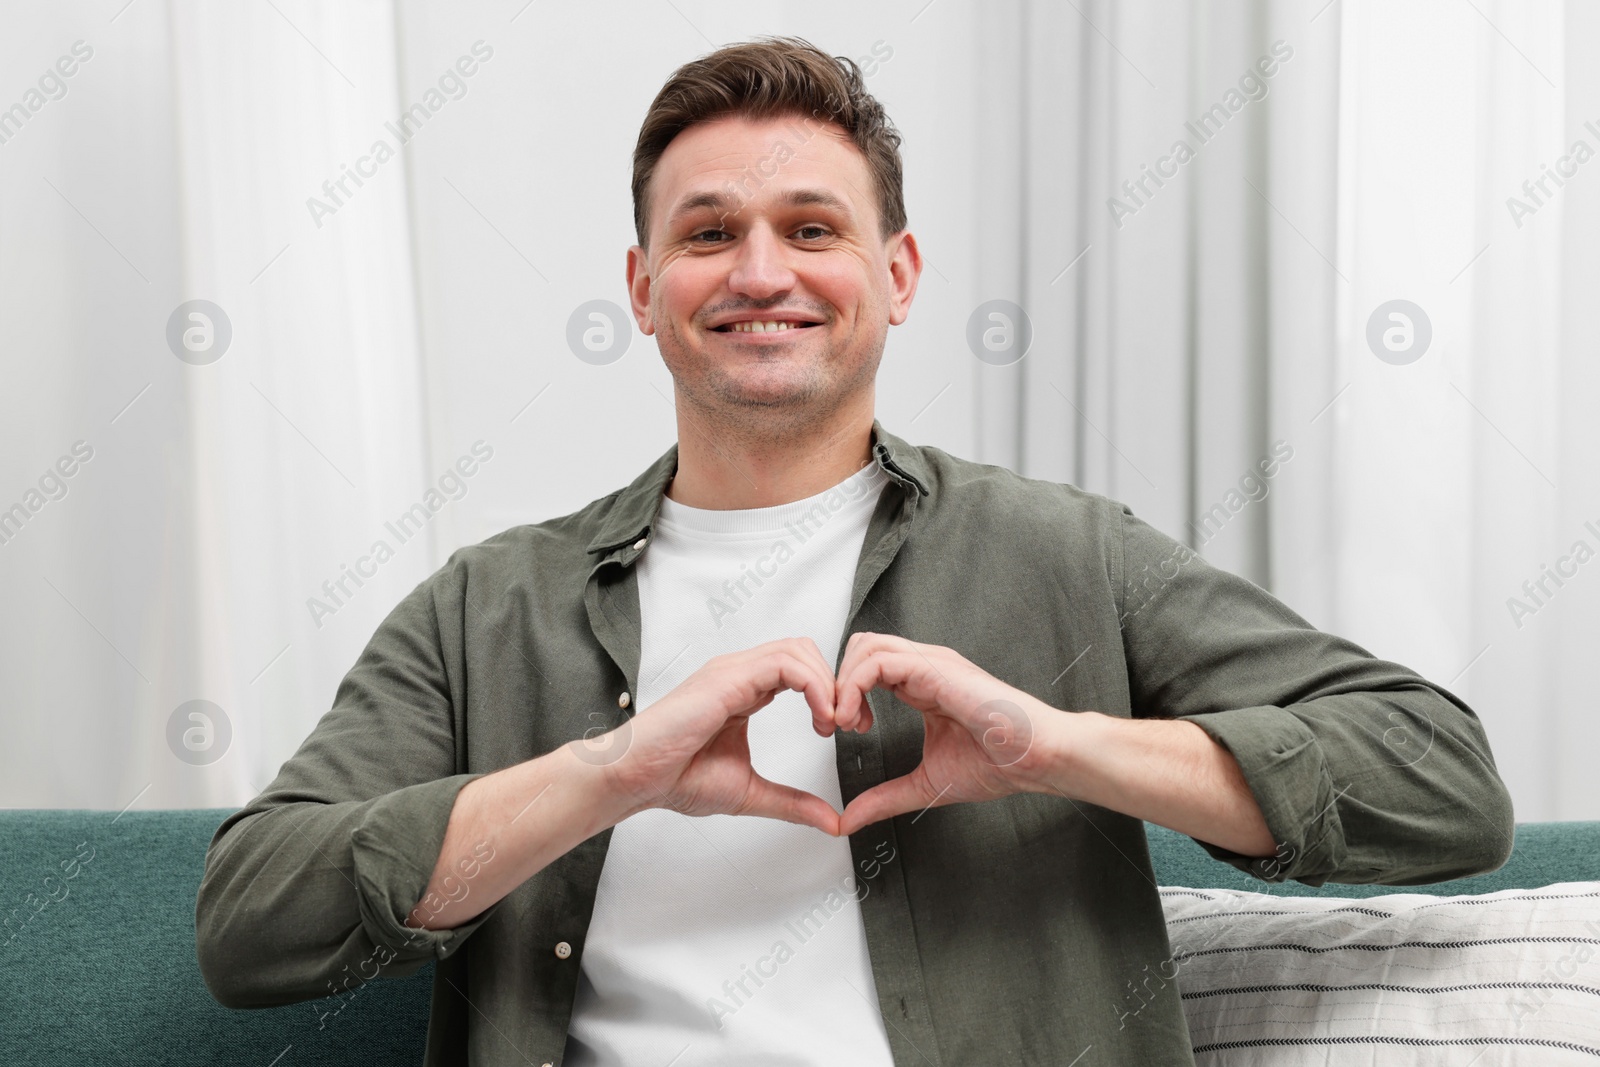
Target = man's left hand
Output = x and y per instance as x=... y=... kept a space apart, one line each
x=982 y=739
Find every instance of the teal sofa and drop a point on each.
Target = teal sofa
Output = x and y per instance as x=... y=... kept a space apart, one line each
x=105 y=970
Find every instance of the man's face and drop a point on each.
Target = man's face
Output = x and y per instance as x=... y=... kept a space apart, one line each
x=759 y=221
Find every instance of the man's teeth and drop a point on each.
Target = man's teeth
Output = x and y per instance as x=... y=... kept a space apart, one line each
x=760 y=327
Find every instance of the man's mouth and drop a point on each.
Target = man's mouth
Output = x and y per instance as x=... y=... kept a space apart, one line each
x=764 y=326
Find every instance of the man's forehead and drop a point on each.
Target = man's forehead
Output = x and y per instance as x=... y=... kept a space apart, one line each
x=786 y=160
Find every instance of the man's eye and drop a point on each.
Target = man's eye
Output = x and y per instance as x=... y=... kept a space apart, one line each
x=817 y=233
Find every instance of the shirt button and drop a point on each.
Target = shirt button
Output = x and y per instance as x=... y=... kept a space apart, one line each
x=639 y=543
x=563 y=950
x=624 y=700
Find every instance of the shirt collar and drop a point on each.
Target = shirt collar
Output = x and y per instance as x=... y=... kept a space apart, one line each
x=633 y=512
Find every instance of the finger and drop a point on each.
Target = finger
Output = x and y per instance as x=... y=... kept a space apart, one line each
x=894 y=797
x=904 y=673
x=784 y=667
x=851 y=712
x=809 y=651
x=773 y=801
x=855 y=648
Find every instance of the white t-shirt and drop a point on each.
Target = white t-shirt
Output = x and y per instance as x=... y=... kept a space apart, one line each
x=726 y=939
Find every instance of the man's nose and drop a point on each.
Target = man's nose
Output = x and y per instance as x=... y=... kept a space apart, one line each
x=761 y=268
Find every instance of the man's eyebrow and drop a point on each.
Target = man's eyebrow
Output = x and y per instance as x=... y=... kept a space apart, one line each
x=815 y=198
x=725 y=204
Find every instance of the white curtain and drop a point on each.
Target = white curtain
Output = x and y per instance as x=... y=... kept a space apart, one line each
x=1225 y=321
x=220 y=497
x=1183 y=325
x=1462 y=475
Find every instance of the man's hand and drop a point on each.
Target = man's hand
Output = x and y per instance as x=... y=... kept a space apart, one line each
x=982 y=739
x=690 y=750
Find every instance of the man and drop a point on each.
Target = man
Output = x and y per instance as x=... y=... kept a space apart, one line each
x=540 y=770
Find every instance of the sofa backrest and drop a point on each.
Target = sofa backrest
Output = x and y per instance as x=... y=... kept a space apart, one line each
x=106 y=972
x=100 y=967
x=1543 y=853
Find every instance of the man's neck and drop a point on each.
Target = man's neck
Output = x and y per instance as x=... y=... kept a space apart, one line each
x=722 y=472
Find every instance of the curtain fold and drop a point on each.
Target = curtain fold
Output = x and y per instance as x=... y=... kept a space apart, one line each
x=1182 y=168
x=310 y=434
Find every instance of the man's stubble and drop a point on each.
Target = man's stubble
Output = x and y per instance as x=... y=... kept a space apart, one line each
x=720 y=403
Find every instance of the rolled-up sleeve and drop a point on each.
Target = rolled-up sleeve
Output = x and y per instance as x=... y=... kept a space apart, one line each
x=307 y=888
x=1365 y=772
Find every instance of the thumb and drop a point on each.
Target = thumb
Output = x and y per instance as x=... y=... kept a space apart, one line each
x=894 y=797
x=770 y=800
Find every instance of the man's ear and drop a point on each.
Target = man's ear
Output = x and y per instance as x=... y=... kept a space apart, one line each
x=905 y=269
x=639 y=281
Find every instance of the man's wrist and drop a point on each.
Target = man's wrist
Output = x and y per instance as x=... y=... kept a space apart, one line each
x=1060 y=738
x=594 y=778
x=1169 y=772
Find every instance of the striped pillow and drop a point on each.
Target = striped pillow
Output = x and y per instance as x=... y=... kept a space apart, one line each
x=1488 y=980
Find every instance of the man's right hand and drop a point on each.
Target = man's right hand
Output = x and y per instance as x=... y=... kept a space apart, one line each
x=690 y=750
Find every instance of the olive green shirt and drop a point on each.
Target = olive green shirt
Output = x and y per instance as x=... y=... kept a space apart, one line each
x=1001 y=932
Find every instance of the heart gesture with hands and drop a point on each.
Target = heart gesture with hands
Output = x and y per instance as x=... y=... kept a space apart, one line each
x=689 y=751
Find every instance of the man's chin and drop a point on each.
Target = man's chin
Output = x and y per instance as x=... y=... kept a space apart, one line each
x=771 y=394
x=772 y=400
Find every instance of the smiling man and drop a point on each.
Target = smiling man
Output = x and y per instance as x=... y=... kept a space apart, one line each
x=813 y=746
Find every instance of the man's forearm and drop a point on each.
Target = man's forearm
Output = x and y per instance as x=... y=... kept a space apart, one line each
x=1163 y=771
x=522 y=819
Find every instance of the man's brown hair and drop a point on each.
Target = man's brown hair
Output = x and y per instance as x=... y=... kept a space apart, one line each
x=768 y=78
